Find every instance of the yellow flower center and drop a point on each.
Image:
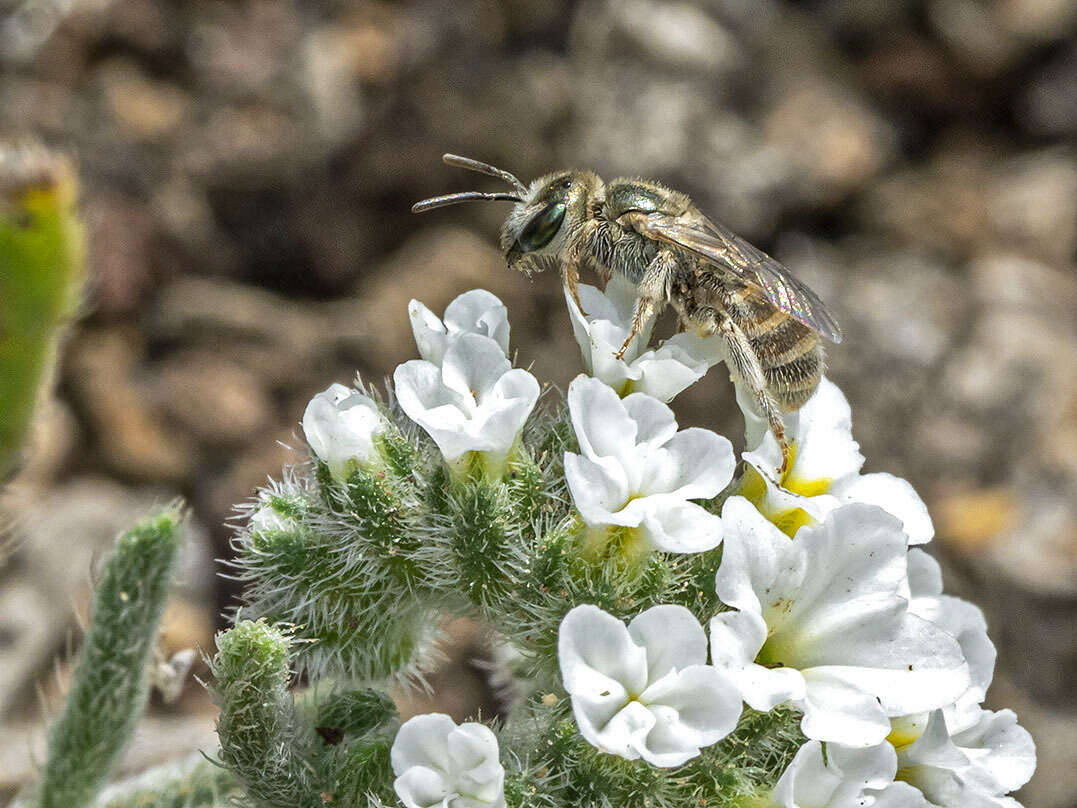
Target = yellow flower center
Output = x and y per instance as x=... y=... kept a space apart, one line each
x=788 y=520
x=906 y=730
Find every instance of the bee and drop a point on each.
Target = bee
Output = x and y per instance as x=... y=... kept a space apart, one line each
x=771 y=323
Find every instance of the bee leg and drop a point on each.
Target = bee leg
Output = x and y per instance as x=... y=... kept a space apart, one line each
x=571 y=277
x=653 y=291
x=644 y=309
x=745 y=366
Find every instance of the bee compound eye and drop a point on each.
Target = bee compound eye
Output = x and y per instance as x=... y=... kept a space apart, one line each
x=542 y=227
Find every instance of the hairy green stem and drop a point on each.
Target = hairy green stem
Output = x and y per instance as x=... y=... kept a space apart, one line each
x=259 y=735
x=110 y=686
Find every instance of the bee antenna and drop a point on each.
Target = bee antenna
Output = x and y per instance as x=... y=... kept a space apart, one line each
x=484 y=168
x=466 y=196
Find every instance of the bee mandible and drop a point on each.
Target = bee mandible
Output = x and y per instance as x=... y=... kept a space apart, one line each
x=653 y=236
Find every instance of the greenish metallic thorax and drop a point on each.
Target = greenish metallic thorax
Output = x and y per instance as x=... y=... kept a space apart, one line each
x=626 y=195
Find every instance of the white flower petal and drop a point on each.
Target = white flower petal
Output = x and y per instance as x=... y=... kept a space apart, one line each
x=602 y=333
x=673 y=639
x=431 y=336
x=474 y=312
x=589 y=641
x=473 y=365
x=640 y=471
x=823 y=435
x=603 y=669
x=675 y=526
x=625 y=733
x=895 y=496
x=438 y=763
x=693 y=708
x=962 y=620
x=839 y=781
x=702 y=464
x=341 y=425
x=474 y=752
x=832 y=606
x=503 y=411
x=599 y=489
x=622 y=295
x=975 y=767
x=925 y=575
x=643 y=690
x=662 y=374
x=825 y=467
x=474 y=402
x=836 y=710
x=679 y=362
x=266 y=519
x=1002 y=753
x=655 y=422
x=755 y=558
x=423 y=741
x=736 y=638
x=902 y=795
x=479 y=312
x=420 y=787
x=602 y=424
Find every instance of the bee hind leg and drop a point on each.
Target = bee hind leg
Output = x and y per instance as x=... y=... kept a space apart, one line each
x=745 y=366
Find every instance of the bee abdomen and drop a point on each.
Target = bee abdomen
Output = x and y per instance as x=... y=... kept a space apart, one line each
x=793 y=383
x=791 y=356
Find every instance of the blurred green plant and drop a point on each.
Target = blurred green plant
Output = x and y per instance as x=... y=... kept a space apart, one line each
x=41 y=273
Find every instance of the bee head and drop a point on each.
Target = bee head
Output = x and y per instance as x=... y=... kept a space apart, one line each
x=544 y=218
x=541 y=226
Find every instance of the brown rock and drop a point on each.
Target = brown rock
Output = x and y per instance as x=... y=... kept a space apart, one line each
x=130 y=435
x=119 y=239
x=280 y=341
x=144 y=109
x=834 y=141
x=212 y=398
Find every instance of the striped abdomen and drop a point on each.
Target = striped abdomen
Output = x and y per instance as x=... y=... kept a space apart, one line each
x=790 y=353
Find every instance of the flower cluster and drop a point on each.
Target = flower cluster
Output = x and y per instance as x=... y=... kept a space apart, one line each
x=673 y=607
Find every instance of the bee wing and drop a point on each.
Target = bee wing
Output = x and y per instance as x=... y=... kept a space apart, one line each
x=728 y=251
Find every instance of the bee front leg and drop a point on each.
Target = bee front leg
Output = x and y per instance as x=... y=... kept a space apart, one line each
x=570 y=275
x=653 y=290
x=745 y=365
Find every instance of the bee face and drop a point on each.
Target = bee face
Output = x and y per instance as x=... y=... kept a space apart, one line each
x=542 y=224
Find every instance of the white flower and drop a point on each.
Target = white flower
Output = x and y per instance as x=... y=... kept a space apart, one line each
x=965 y=622
x=973 y=768
x=636 y=470
x=645 y=690
x=844 y=778
x=438 y=763
x=821 y=623
x=824 y=472
x=341 y=425
x=679 y=362
x=474 y=312
x=474 y=402
x=267 y=519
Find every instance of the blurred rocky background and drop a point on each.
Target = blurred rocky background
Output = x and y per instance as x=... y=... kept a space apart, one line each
x=248 y=169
